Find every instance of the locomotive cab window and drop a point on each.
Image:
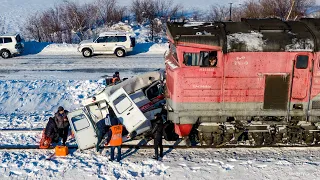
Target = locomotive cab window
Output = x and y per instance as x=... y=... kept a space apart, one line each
x=191 y=59
x=302 y=62
x=203 y=59
x=208 y=59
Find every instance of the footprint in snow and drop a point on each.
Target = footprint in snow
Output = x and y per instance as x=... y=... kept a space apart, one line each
x=261 y=165
x=227 y=167
x=206 y=160
x=283 y=163
x=231 y=160
x=246 y=163
x=16 y=172
x=211 y=164
x=195 y=168
x=217 y=161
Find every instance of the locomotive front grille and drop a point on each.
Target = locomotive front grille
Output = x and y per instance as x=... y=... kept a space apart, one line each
x=315 y=104
x=276 y=92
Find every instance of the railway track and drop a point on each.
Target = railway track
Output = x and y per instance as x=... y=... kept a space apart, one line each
x=137 y=145
x=36 y=147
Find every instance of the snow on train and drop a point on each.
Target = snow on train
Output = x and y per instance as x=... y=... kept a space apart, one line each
x=257 y=79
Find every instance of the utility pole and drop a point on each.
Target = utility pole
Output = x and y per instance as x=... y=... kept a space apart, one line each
x=230 y=11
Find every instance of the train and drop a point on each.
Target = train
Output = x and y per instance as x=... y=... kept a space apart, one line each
x=255 y=81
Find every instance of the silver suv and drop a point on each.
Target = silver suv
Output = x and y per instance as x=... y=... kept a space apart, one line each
x=118 y=43
x=10 y=44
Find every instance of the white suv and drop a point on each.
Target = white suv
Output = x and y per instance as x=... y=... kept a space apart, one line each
x=118 y=43
x=10 y=44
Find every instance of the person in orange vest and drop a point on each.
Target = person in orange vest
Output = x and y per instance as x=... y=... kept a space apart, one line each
x=115 y=78
x=115 y=138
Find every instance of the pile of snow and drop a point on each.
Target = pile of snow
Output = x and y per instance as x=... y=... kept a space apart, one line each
x=300 y=45
x=253 y=41
x=60 y=49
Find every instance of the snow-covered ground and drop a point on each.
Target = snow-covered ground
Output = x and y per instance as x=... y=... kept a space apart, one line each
x=265 y=163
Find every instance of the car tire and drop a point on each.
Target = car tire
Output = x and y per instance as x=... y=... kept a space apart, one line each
x=86 y=52
x=5 y=54
x=120 y=53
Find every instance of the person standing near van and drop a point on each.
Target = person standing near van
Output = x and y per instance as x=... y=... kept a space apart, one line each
x=157 y=132
x=115 y=138
x=62 y=123
x=102 y=129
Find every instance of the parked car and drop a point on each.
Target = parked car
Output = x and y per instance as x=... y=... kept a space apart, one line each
x=10 y=44
x=118 y=43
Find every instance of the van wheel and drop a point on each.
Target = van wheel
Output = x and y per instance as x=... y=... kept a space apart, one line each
x=86 y=52
x=120 y=52
x=5 y=54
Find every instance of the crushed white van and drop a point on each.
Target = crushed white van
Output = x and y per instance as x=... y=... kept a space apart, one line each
x=134 y=101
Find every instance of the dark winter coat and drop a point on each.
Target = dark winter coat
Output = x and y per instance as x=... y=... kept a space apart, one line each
x=157 y=130
x=59 y=119
x=51 y=129
x=102 y=128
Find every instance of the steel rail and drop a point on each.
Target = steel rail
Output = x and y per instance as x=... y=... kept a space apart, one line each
x=36 y=147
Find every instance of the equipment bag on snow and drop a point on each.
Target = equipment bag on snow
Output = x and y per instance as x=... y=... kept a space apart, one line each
x=45 y=141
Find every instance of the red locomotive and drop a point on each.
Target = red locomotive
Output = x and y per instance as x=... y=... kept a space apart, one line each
x=258 y=79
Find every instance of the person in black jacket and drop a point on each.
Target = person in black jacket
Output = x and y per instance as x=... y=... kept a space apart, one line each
x=157 y=132
x=102 y=129
x=51 y=130
x=62 y=123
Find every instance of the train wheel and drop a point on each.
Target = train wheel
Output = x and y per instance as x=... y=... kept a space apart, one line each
x=258 y=138
x=217 y=139
x=268 y=138
x=308 y=137
x=279 y=138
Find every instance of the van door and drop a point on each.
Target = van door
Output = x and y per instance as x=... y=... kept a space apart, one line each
x=83 y=129
x=301 y=80
x=128 y=112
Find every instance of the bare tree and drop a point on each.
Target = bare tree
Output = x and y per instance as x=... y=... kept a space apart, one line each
x=33 y=28
x=2 y=25
x=217 y=13
x=197 y=14
x=283 y=9
x=151 y=11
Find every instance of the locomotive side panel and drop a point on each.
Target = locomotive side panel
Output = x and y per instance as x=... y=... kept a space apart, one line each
x=314 y=104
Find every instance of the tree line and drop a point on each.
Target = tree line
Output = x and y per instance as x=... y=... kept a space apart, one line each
x=61 y=23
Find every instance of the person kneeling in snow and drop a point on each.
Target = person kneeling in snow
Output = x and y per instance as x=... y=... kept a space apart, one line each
x=115 y=138
x=50 y=134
